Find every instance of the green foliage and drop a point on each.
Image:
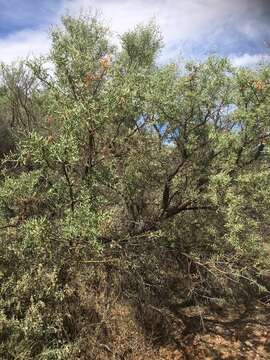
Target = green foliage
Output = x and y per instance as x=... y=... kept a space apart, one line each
x=124 y=151
x=21 y=107
x=141 y=45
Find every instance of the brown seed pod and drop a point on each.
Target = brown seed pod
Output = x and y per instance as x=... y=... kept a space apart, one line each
x=50 y=120
x=88 y=79
x=259 y=85
x=104 y=62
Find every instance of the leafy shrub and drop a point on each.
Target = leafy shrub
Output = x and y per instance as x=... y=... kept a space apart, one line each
x=157 y=173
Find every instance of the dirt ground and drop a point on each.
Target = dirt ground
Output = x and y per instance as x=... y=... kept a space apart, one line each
x=231 y=337
x=241 y=335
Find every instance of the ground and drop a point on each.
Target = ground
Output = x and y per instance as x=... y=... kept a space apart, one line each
x=232 y=337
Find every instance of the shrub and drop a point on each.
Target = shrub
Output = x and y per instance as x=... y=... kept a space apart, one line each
x=149 y=170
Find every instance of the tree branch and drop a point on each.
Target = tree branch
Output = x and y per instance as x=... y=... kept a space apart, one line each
x=71 y=193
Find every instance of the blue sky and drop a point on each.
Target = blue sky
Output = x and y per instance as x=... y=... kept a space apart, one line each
x=25 y=14
x=239 y=29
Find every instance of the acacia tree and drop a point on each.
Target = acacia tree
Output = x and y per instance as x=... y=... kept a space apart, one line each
x=130 y=150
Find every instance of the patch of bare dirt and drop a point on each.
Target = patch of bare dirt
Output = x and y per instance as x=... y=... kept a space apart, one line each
x=233 y=337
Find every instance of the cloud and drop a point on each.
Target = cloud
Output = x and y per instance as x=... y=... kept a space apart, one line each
x=190 y=27
x=24 y=27
x=178 y=20
x=24 y=44
x=249 y=60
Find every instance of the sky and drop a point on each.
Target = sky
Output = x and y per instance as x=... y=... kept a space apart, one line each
x=239 y=29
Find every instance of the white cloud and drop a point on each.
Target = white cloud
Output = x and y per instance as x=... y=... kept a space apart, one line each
x=249 y=60
x=182 y=22
x=178 y=20
x=23 y=44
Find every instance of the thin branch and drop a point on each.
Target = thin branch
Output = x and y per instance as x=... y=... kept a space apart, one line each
x=71 y=193
x=9 y=226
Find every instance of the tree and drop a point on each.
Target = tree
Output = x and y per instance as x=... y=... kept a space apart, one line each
x=130 y=151
x=21 y=100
